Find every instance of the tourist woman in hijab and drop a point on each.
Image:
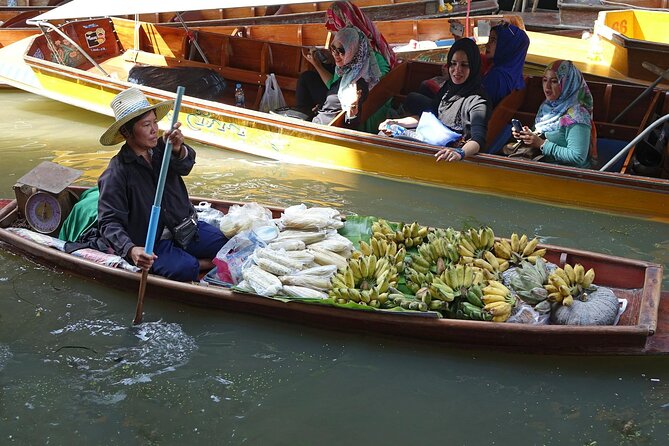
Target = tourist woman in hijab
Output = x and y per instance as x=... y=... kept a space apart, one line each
x=460 y=104
x=356 y=71
x=563 y=126
x=342 y=14
x=311 y=89
x=503 y=59
x=506 y=49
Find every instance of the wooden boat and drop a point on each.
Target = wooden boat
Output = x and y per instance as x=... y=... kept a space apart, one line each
x=608 y=55
x=583 y=13
x=30 y=65
x=396 y=32
x=315 y=12
x=642 y=329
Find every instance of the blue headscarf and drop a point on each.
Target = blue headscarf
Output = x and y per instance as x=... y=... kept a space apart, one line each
x=574 y=106
x=506 y=73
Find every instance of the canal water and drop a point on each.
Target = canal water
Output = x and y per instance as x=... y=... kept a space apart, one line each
x=73 y=369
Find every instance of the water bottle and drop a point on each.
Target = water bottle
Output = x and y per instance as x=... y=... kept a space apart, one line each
x=239 y=96
x=395 y=129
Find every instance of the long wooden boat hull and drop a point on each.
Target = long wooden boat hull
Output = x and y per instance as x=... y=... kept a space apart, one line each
x=374 y=9
x=639 y=332
x=290 y=140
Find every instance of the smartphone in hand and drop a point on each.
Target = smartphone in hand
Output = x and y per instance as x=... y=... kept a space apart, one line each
x=516 y=125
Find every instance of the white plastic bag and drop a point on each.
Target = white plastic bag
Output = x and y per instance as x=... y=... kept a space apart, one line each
x=272 y=98
x=241 y=218
x=433 y=131
x=302 y=218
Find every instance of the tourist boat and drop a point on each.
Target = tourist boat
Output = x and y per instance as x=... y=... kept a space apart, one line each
x=620 y=49
x=583 y=13
x=424 y=33
x=89 y=78
x=642 y=329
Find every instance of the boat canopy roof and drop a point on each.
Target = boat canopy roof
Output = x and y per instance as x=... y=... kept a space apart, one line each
x=77 y=9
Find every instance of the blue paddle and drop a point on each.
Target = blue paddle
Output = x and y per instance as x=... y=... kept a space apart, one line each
x=155 y=209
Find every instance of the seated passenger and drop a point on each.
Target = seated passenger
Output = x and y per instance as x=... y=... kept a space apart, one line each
x=506 y=49
x=311 y=92
x=563 y=124
x=342 y=14
x=505 y=53
x=128 y=187
x=356 y=71
x=461 y=104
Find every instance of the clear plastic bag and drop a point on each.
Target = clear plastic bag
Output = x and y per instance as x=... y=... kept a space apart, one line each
x=272 y=98
x=525 y=314
x=302 y=218
x=235 y=255
x=241 y=218
x=208 y=214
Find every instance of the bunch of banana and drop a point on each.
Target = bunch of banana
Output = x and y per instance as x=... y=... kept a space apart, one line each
x=383 y=248
x=498 y=301
x=462 y=277
x=382 y=230
x=471 y=306
x=474 y=242
x=475 y=249
x=566 y=284
x=467 y=310
x=411 y=234
x=416 y=280
x=371 y=298
x=408 y=302
x=434 y=256
x=365 y=280
x=449 y=234
x=518 y=249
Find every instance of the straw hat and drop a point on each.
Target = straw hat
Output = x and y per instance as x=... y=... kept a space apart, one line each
x=127 y=105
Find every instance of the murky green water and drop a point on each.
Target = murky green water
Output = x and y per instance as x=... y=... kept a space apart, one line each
x=74 y=370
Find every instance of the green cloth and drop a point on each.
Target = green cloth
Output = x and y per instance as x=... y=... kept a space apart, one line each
x=569 y=146
x=84 y=214
x=372 y=123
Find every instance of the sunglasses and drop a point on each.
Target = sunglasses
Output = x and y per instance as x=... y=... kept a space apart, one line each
x=341 y=51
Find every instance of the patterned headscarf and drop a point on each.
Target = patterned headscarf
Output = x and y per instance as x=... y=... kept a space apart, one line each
x=342 y=14
x=357 y=64
x=574 y=106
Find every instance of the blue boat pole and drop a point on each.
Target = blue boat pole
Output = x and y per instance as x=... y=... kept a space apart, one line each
x=155 y=209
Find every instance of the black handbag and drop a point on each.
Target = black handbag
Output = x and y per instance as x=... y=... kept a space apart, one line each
x=185 y=232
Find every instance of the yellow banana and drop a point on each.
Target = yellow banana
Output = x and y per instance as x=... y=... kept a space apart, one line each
x=490 y=298
x=563 y=275
x=354 y=264
x=569 y=270
x=588 y=278
x=365 y=248
x=539 y=252
x=529 y=248
x=522 y=243
x=483 y=264
x=568 y=301
x=514 y=242
x=490 y=257
x=496 y=291
x=502 y=249
x=350 y=280
x=579 y=273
